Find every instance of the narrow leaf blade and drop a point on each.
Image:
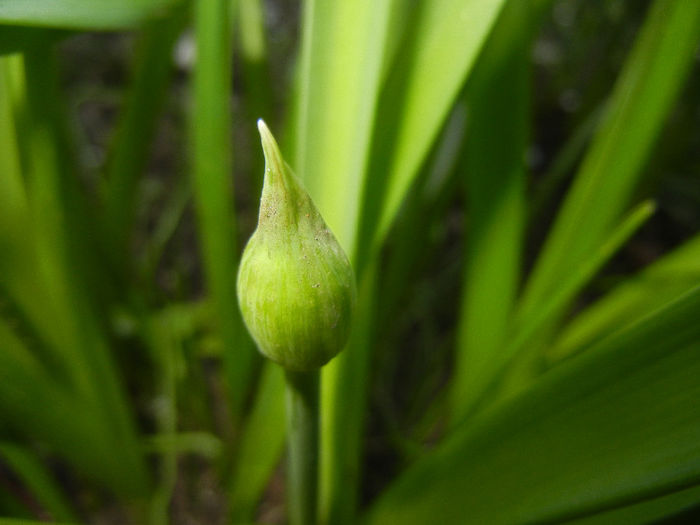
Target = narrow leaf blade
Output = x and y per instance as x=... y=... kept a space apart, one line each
x=643 y=95
x=78 y=14
x=577 y=442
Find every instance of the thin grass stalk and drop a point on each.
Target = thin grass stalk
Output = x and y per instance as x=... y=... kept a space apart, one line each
x=135 y=131
x=256 y=79
x=261 y=445
x=212 y=184
x=19 y=284
x=163 y=338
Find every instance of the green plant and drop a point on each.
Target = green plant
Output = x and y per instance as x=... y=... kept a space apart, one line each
x=296 y=291
x=572 y=397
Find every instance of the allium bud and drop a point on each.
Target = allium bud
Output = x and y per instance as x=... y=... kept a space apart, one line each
x=296 y=287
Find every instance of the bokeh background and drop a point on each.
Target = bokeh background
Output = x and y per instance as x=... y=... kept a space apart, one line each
x=578 y=52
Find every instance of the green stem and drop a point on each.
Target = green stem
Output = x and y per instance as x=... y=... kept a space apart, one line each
x=302 y=429
x=213 y=195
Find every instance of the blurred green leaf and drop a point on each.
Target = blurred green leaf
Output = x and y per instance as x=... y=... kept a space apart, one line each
x=522 y=347
x=14 y=39
x=611 y=427
x=344 y=391
x=498 y=97
x=212 y=184
x=34 y=475
x=635 y=297
x=652 y=510
x=643 y=95
x=68 y=276
x=81 y=14
x=131 y=148
x=13 y=199
x=261 y=445
x=34 y=406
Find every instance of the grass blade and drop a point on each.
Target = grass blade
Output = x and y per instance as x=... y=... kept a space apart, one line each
x=648 y=511
x=344 y=390
x=499 y=100
x=261 y=445
x=647 y=86
x=135 y=131
x=13 y=200
x=523 y=348
x=256 y=80
x=557 y=303
x=342 y=40
x=78 y=14
x=661 y=282
x=413 y=103
x=550 y=449
x=212 y=185
x=33 y=473
x=426 y=80
x=34 y=406
x=67 y=271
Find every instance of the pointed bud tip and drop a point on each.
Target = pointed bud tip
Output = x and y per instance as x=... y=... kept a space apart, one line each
x=265 y=134
x=271 y=150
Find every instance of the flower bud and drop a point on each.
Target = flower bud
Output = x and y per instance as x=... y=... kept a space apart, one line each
x=296 y=287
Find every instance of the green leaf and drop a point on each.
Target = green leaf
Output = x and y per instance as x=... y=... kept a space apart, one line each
x=637 y=296
x=341 y=41
x=34 y=475
x=611 y=427
x=212 y=185
x=422 y=87
x=68 y=274
x=498 y=97
x=422 y=84
x=13 y=199
x=344 y=390
x=133 y=138
x=76 y=428
x=523 y=348
x=643 y=95
x=15 y=39
x=647 y=511
x=79 y=14
x=260 y=446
